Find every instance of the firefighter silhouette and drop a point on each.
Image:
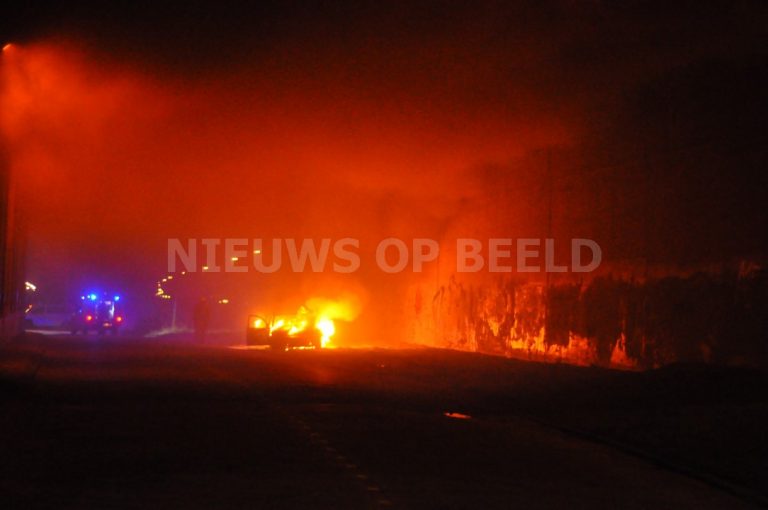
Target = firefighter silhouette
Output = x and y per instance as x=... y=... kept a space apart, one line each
x=201 y=316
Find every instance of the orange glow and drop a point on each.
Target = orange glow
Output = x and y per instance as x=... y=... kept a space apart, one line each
x=328 y=311
x=305 y=318
x=114 y=151
x=577 y=352
x=514 y=321
x=118 y=319
x=88 y=318
x=457 y=416
x=278 y=324
x=327 y=328
x=297 y=327
x=294 y=160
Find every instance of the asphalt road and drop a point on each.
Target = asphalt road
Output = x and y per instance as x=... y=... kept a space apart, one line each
x=133 y=423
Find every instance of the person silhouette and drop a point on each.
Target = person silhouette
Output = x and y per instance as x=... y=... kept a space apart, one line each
x=201 y=315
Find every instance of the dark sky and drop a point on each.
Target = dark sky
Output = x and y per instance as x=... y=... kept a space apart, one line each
x=369 y=119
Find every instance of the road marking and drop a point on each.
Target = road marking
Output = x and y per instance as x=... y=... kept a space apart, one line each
x=318 y=440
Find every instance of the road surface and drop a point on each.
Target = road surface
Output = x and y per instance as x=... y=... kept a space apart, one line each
x=117 y=423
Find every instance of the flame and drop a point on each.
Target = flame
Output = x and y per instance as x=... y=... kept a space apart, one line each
x=297 y=327
x=319 y=313
x=329 y=311
x=327 y=328
x=277 y=325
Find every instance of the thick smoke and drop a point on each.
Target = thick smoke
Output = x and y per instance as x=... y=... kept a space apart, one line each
x=370 y=122
x=112 y=161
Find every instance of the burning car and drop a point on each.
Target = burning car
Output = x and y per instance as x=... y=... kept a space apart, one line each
x=302 y=330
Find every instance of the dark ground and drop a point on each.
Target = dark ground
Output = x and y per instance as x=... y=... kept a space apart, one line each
x=137 y=423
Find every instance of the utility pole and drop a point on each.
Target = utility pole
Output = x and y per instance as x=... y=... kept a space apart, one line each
x=4 y=227
x=12 y=235
x=10 y=268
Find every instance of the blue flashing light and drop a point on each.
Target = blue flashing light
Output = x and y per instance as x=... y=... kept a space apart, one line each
x=92 y=297
x=117 y=298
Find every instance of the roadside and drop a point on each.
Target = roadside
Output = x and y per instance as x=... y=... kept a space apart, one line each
x=20 y=358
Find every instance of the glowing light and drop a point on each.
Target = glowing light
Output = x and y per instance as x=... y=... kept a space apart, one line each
x=277 y=325
x=257 y=252
x=117 y=298
x=88 y=318
x=118 y=319
x=7 y=47
x=297 y=327
x=30 y=286
x=164 y=280
x=327 y=328
x=458 y=416
x=223 y=301
x=235 y=259
x=183 y=273
x=92 y=297
x=259 y=323
x=170 y=277
x=205 y=268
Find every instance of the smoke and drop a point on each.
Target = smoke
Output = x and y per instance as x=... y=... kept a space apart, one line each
x=365 y=121
x=112 y=161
